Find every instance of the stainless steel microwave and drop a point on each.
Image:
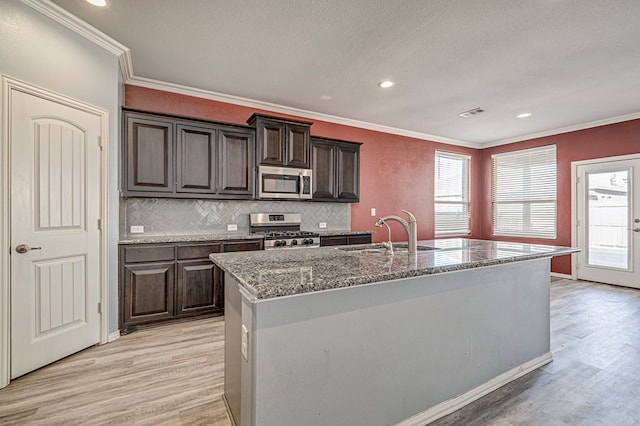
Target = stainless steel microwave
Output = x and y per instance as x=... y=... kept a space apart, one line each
x=284 y=182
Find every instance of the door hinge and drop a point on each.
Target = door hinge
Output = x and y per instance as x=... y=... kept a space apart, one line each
x=100 y=307
x=577 y=180
x=100 y=224
x=100 y=142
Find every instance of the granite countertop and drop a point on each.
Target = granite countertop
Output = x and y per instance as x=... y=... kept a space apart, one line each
x=336 y=233
x=188 y=238
x=276 y=273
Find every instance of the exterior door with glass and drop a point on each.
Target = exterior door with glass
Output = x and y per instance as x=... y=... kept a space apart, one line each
x=608 y=221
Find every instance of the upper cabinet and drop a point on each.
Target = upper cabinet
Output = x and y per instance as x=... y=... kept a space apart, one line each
x=179 y=158
x=282 y=142
x=149 y=165
x=336 y=170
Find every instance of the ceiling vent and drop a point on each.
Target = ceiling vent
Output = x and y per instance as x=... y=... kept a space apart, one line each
x=472 y=112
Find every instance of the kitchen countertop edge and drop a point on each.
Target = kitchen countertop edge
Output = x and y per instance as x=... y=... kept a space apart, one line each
x=229 y=263
x=194 y=238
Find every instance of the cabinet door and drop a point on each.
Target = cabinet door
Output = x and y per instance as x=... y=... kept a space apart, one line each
x=196 y=159
x=323 y=160
x=199 y=288
x=271 y=138
x=148 y=292
x=149 y=164
x=348 y=172
x=236 y=162
x=297 y=150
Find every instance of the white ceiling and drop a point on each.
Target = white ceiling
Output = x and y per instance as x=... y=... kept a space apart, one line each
x=572 y=63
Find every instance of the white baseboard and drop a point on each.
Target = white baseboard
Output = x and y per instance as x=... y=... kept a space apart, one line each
x=113 y=336
x=448 y=407
x=559 y=275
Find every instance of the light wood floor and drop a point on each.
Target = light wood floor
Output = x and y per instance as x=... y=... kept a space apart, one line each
x=174 y=374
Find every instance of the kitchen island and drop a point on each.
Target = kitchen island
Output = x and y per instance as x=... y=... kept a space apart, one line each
x=355 y=336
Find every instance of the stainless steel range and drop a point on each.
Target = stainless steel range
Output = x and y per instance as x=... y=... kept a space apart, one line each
x=282 y=230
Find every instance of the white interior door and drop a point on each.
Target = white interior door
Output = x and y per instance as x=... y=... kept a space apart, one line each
x=55 y=238
x=608 y=213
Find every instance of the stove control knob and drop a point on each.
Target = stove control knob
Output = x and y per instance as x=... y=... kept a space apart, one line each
x=308 y=241
x=280 y=243
x=294 y=242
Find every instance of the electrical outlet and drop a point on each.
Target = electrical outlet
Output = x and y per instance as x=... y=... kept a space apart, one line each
x=245 y=343
x=139 y=229
x=322 y=225
x=232 y=227
x=373 y=211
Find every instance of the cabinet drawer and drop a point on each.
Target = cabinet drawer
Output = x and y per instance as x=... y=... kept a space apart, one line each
x=197 y=251
x=360 y=239
x=155 y=253
x=333 y=241
x=249 y=245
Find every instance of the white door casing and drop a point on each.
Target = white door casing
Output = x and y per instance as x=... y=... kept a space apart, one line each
x=57 y=192
x=607 y=220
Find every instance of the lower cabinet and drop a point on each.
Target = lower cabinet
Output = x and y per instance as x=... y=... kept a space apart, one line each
x=160 y=282
x=148 y=292
x=195 y=293
x=343 y=240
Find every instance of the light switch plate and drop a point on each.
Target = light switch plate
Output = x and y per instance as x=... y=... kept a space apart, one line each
x=232 y=227
x=137 y=229
x=373 y=211
x=322 y=225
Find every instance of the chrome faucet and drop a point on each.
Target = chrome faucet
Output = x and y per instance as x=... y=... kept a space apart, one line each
x=410 y=227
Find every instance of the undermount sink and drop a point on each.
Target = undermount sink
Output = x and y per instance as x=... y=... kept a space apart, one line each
x=379 y=248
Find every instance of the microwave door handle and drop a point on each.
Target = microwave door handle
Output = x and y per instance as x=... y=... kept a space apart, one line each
x=300 y=184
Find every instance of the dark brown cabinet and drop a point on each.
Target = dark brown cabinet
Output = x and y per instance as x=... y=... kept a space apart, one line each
x=148 y=152
x=343 y=240
x=323 y=164
x=236 y=153
x=336 y=170
x=195 y=292
x=160 y=282
x=196 y=159
x=173 y=157
x=282 y=142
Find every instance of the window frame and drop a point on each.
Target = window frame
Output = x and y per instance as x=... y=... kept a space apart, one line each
x=527 y=201
x=466 y=194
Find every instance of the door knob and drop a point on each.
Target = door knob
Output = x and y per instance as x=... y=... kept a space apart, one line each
x=23 y=248
x=636 y=220
x=636 y=229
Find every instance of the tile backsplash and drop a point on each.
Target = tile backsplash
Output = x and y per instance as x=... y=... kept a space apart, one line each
x=161 y=216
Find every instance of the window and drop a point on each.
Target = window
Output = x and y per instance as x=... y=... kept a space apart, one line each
x=451 y=194
x=524 y=193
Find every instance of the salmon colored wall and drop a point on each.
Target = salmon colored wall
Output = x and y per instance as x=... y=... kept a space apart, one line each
x=598 y=142
x=396 y=172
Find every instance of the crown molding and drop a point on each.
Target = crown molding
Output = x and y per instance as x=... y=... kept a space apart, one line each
x=252 y=103
x=558 y=131
x=75 y=24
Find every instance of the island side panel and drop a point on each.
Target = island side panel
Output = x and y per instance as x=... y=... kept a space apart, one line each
x=232 y=348
x=381 y=353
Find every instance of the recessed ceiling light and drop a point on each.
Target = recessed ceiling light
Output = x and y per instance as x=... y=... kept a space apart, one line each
x=524 y=115
x=101 y=3
x=385 y=84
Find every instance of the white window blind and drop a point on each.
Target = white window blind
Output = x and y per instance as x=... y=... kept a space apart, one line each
x=524 y=193
x=451 y=194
